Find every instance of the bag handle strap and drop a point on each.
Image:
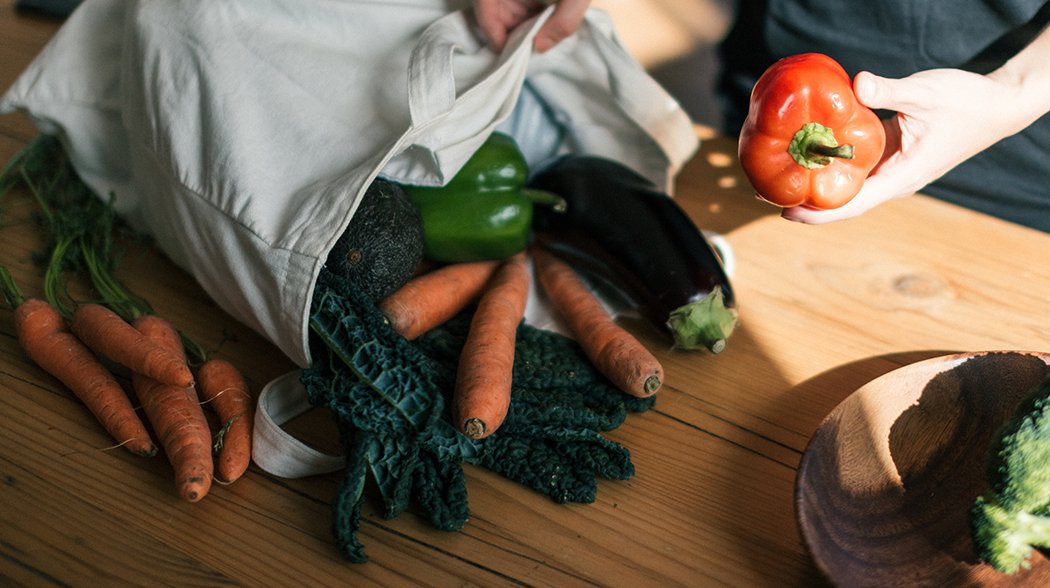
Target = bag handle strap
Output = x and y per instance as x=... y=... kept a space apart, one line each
x=431 y=81
x=670 y=129
x=277 y=451
x=431 y=77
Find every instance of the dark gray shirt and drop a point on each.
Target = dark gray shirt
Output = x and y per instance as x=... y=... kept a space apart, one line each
x=895 y=38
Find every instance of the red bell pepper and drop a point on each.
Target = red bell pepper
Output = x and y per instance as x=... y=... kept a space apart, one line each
x=807 y=141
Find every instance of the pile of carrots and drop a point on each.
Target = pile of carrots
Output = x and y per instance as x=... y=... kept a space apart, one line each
x=162 y=380
x=500 y=288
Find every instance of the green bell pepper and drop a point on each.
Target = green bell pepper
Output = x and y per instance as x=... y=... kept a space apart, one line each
x=485 y=210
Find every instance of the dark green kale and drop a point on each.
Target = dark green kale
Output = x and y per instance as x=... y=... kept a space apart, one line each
x=389 y=397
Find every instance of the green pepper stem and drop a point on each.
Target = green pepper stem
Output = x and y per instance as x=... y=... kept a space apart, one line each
x=814 y=146
x=542 y=197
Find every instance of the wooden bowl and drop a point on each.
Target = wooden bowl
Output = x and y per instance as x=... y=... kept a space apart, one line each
x=885 y=486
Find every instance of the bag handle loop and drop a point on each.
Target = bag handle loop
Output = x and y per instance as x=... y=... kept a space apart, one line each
x=431 y=81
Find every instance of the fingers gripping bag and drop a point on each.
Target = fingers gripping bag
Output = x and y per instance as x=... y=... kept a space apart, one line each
x=243 y=134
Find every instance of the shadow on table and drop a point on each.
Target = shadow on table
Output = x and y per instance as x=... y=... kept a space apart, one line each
x=820 y=395
x=825 y=391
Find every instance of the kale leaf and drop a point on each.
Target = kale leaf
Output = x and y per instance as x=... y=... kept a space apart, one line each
x=390 y=397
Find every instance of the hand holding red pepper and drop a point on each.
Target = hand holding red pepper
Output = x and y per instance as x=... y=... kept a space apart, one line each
x=807 y=141
x=925 y=139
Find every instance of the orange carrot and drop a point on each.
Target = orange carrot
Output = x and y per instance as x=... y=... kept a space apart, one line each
x=47 y=341
x=105 y=332
x=430 y=299
x=176 y=416
x=610 y=348
x=223 y=388
x=483 y=377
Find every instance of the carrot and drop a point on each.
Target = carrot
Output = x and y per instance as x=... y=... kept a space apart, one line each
x=610 y=348
x=481 y=396
x=176 y=416
x=223 y=388
x=105 y=332
x=431 y=298
x=45 y=337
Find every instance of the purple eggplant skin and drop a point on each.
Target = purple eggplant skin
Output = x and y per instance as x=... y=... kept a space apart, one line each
x=619 y=227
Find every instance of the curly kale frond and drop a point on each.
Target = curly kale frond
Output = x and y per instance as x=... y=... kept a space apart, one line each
x=389 y=396
x=1012 y=517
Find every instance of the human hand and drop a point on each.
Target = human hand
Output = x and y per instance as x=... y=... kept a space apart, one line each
x=944 y=116
x=497 y=18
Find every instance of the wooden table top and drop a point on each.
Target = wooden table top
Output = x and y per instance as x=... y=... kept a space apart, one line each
x=823 y=311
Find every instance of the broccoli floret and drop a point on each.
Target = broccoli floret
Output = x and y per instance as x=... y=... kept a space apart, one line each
x=1013 y=517
x=1004 y=537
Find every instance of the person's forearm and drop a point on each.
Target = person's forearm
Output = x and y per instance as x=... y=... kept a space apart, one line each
x=1028 y=73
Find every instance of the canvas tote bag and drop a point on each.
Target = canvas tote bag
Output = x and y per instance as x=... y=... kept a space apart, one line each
x=241 y=134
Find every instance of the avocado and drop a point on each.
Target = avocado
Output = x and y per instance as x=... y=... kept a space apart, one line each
x=383 y=244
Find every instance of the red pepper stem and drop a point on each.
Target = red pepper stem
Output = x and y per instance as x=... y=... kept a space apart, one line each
x=814 y=146
x=840 y=151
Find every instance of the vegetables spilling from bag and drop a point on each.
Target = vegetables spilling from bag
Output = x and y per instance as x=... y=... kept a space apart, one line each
x=418 y=343
x=806 y=140
x=443 y=371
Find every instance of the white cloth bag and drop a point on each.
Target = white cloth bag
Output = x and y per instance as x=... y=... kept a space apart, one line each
x=241 y=134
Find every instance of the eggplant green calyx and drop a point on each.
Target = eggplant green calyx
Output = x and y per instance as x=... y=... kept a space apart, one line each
x=705 y=323
x=815 y=145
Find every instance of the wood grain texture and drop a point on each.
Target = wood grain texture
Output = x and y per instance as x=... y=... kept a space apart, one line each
x=823 y=310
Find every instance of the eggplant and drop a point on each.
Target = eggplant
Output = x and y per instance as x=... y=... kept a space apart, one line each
x=619 y=227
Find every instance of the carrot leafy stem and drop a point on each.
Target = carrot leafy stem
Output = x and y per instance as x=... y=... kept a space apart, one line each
x=82 y=227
